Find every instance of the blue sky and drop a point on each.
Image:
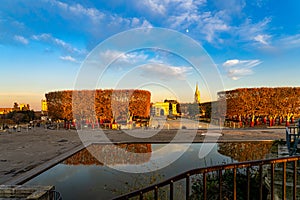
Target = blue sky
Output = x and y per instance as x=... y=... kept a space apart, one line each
x=44 y=43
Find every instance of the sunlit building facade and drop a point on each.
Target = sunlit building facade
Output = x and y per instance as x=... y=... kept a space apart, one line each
x=197 y=95
x=44 y=105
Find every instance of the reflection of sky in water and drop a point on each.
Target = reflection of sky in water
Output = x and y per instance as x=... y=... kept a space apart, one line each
x=95 y=181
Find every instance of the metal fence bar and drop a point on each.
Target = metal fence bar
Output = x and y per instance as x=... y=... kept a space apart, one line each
x=272 y=181
x=248 y=183
x=284 y=180
x=171 y=190
x=220 y=184
x=204 y=186
x=187 y=187
x=260 y=183
x=295 y=181
x=234 y=184
x=156 y=193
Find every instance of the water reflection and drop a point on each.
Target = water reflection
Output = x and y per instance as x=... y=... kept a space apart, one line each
x=111 y=155
x=246 y=151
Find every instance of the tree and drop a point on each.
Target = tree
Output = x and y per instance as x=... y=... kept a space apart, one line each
x=21 y=116
x=16 y=106
x=94 y=105
x=263 y=102
x=193 y=109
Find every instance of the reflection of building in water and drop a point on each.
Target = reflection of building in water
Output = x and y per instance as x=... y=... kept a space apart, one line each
x=245 y=151
x=98 y=154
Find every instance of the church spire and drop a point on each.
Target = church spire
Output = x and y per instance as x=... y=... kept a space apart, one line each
x=197 y=95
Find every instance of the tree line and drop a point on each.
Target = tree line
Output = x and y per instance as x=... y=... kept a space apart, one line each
x=105 y=105
x=111 y=154
x=16 y=117
x=281 y=104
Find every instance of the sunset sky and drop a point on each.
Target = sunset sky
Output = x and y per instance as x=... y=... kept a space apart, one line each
x=44 y=45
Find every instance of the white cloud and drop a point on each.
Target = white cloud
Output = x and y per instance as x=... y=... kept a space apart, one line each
x=156 y=6
x=165 y=72
x=263 y=39
x=213 y=24
x=21 y=39
x=282 y=43
x=208 y=24
x=237 y=69
x=249 y=31
x=230 y=63
x=123 y=58
x=170 y=7
x=292 y=41
x=187 y=14
x=43 y=36
x=68 y=58
x=97 y=24
x=78 y=10
x=236 y=74
x=205 y=22
x=231 y=7
x=144 y=24
x=190 y=4
x=97 y=18
x=48 y=38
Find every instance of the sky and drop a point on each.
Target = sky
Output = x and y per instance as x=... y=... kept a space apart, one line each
x=45 y=46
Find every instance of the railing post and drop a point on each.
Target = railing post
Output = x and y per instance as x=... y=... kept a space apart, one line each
x=261 y=183
x=187 y=187
x=204 y=186
x=171 y=190
x=248 y=183
x=220 y=185
x=156 y=193
x=234 y=183
x=141 y=195
x=272 y=181
x=284 y=180
x=295 y=181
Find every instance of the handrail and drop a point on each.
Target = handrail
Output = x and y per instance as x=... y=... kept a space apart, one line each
x=218 y=168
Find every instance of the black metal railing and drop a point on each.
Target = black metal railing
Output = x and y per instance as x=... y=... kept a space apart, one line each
x=268 y=175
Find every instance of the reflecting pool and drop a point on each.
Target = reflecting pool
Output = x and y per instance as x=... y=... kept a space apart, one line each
x=102 y=171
